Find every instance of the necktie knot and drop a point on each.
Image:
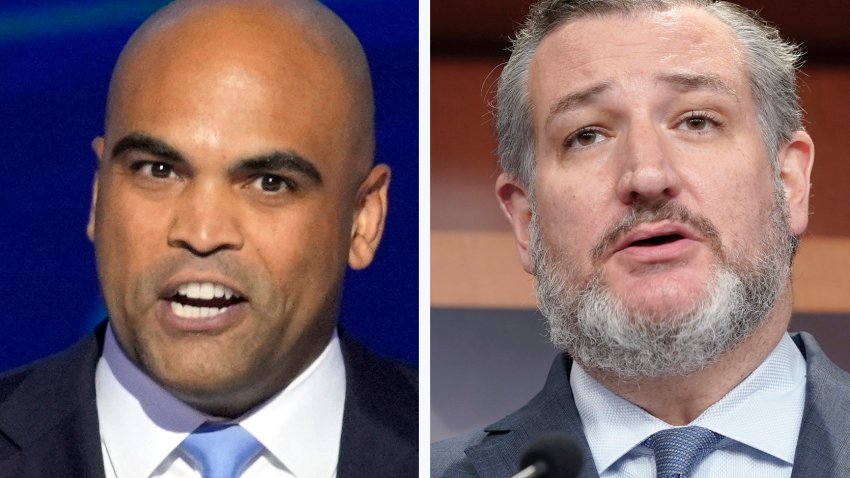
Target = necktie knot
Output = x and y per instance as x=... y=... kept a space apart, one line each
x=677 y=450
x=221 y=451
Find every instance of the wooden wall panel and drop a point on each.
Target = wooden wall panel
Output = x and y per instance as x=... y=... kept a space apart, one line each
x=824 y=94
x=463 y=148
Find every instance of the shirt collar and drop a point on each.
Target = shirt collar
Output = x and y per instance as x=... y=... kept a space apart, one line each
x=765 y=410
x=300 y=426
x=770 y=398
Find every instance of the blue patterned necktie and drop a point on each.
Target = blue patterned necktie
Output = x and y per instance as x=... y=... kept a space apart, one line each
x=221 y=451
x=677 y=450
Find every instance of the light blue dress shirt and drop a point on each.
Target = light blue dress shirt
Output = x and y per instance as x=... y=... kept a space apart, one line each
x=760 y=420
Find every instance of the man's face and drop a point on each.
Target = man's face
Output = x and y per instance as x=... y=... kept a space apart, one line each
x=225 y=209
x=650 y=112
x=631 y=111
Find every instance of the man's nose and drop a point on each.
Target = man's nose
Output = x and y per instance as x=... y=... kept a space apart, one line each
x=205 y=220
x=647 y=169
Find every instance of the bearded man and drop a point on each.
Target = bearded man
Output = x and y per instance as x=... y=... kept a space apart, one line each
x=656 y=178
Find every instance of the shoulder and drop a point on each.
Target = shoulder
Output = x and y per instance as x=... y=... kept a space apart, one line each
x=496 y=450
x=385 y=383
x=48 y=415
x=821 y=371
x=380 y=429
x=75 y=364
x=825 y=428
x=448 y=457
x=827 y=385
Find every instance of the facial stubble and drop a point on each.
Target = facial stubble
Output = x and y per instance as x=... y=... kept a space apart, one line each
x=602 y=331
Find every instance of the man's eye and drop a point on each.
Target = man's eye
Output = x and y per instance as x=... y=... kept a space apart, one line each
x=696 y=123
x=272 y=183
x=584 y=137
x=699 y=122
x=155 y=169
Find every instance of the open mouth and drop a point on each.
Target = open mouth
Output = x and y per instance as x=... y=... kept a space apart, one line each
x=203 y=299
x=657 y=240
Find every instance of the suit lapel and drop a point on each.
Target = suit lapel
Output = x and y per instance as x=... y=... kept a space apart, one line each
x=823 y=447
x=380 y=422
x=48 y=423
x=551 y=410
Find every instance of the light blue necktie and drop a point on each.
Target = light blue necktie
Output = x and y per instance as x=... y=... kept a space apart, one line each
x=221 y=451
x=677 y=450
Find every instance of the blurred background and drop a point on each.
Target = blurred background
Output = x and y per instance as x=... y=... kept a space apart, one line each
x=489 y=354
x=55 y=62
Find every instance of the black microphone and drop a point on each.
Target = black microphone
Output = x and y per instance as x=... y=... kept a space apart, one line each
x=551 y=456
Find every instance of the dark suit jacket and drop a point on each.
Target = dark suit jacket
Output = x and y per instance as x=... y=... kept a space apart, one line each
x=49 y=427
x=823 y=448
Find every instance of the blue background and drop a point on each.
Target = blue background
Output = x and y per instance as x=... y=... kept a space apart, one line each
x=55 y=63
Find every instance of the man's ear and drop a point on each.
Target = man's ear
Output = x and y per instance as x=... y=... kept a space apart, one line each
x=796 y=159
x=98 y=146
x=369 y=216
x=515 y=204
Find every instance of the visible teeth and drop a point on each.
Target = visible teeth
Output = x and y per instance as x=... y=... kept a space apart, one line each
x=204 y=291
x=192 y=312
x=207 y=290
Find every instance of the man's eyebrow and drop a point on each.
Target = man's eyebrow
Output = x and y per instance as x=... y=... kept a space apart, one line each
x=147 y=144
x=577 y=99
x=273 y=161
x=698 y=81
x=279 y=160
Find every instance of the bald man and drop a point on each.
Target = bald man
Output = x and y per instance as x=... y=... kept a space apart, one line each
x=235 y=183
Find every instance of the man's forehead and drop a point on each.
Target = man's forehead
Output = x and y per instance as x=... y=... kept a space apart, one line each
x=249 y=37
x=303 y=31
x=245 y=71
x=309 y=20
x=206 y=54
x=682 y=82
x=595 y=49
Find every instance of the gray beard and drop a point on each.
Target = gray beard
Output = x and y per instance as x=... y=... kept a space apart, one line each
x=601 y=331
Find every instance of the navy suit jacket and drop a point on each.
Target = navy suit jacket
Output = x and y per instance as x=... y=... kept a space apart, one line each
x=49 y=426
x=823 y=447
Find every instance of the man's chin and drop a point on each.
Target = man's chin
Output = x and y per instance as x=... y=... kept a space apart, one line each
x=226 y=395
x=197 y=374
x=661 y=302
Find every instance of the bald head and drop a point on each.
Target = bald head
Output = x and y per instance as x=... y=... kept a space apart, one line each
x=299 y=47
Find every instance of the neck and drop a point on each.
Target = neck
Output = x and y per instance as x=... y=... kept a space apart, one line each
x=680 y=399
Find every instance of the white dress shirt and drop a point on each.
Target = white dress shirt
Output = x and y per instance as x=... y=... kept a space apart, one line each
x=141 y=424
x=759 y=418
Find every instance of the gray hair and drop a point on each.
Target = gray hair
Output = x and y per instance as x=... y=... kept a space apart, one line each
x=771 y=61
